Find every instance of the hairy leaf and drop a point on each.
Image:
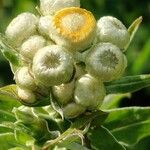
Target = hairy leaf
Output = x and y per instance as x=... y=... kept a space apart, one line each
x=128 y=84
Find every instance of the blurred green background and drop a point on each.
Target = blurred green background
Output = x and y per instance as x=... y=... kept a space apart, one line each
x=127 y=11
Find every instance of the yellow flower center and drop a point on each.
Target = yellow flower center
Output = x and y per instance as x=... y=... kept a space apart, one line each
x=75 y=24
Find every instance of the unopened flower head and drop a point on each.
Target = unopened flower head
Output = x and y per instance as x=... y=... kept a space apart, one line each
x=89 y=92
x=24 y=78
x=44 y=26
x=53 y=65
x=73 y=110
x=106 y=61
x=74 y=28
x=50 y=7
x=21 y=27
x=112 y=30
x=31 y=46
x=27 y=96
x=63 y=93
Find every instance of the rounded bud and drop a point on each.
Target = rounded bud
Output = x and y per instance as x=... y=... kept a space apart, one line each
x=22 y=27
x=106 y=62
x=50 y=7
x=24 y=79
x=27 y=96
x=53 y=65
x=73 y=28
x=63 y=93
x=31 y=46
x=44 y=26
x=73 y=110
x=89 y=92
x=112 y=30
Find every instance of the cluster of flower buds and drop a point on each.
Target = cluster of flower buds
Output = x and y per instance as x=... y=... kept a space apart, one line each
x=65 y=52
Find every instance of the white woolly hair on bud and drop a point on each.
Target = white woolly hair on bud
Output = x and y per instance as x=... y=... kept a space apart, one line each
x=44 y=25
x=50 y=7
x=73 y=28
x=89 y=92
x=72 y=110
x=31 y=46
x=112 y=30
x=106 y=62
x=21 y=28
x=24 y=78
x=26 y=95
x=53 y=65
x=63 y=93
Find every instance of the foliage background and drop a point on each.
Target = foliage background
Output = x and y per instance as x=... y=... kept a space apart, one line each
x=126 y=10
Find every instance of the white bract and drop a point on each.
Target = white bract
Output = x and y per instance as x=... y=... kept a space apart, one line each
x=63 y=93
x=31 y=46
x=50 y=7
x=26 y=95
x=73 y=110
x=89 y=92
x=24 y=79
x=53 y=65
x=112 y=30
x=106 y=62
x=21 y=27
x=73 y=28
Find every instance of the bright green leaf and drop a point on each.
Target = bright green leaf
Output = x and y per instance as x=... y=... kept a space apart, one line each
x=7 y=140
x=113 y=100
x=102 y=139
x=142 y=58
x=128 y=84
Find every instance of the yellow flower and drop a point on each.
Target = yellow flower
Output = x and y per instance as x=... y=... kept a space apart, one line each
x=74 y=28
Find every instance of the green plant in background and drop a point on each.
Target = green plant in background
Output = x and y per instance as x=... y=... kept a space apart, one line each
x=68 y=69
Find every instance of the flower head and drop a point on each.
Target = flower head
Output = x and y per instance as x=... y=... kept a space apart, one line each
x=73 y=28
x=53 y=65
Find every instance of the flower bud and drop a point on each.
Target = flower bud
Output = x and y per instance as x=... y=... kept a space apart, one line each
x=89 y=92
x=27 y=96
x=112 y=30
x=73 y=110
x=73 y=28
x=31 y=46
x=50 y=7
x=63 y=93
x=24 y=79
x=22 y=27
x=53 y=65
x=80 y=70
x=44 y=26
x=106 y=62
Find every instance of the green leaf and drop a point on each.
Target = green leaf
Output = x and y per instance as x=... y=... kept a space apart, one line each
x=76 y=146
x=95 y=118
x=129 y=125
x=113 y=100
x=9 y=53
x=128 y=84
x=144 y=144
x=102 y=139
x=133 y=29
x=7 y=141
x=24 y=138
x=142 y=58
x=8 y=97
